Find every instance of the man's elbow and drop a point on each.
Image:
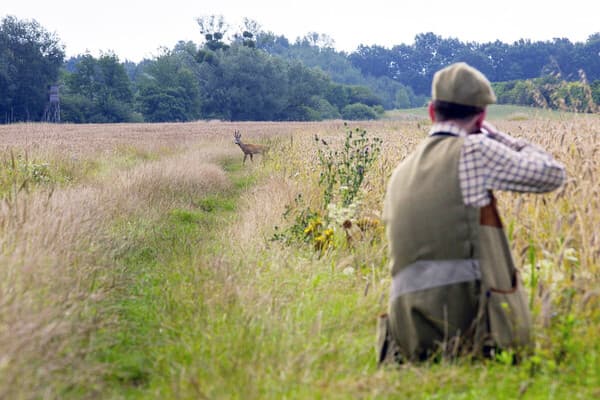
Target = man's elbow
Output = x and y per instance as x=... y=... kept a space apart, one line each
x=558 y=177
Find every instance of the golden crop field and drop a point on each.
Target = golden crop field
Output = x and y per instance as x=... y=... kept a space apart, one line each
x=143 y=261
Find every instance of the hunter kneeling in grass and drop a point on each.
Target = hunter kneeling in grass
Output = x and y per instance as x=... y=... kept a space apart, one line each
x=455 y=289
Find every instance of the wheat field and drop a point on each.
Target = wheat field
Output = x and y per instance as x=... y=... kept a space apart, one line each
x=305 y=320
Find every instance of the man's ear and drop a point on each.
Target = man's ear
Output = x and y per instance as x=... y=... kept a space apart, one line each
x=431 y=112
x=479 y=120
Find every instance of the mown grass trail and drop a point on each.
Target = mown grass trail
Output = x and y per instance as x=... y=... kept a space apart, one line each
x=201 y=315
x=168 y=273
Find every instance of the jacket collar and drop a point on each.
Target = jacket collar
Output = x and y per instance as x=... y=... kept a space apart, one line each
x=447 y=127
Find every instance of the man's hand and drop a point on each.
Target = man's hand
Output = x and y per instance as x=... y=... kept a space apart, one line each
x=491 y=132
x=489 y=129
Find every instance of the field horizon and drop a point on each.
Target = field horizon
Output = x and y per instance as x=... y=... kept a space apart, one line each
x=494 y=112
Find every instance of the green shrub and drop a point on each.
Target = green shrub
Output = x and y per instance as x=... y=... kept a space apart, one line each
x=595 y=86
x=358 y=111
x=550 y=92
x=18 y=173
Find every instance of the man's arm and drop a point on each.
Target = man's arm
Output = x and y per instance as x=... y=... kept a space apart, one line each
x=496 y=161
x=516 y=144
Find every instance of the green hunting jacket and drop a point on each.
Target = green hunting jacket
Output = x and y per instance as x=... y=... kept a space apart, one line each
x=455 y=288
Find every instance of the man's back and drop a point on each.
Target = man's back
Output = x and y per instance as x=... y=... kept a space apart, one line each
x=433 y=241
x=424 y=198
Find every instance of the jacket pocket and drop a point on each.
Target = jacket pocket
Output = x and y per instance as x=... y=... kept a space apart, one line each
x=509 y=319
x=386 y=348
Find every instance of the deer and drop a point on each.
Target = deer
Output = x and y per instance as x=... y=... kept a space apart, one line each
x=248 y=148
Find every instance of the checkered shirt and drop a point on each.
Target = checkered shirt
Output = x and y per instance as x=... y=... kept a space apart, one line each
x=499 y=162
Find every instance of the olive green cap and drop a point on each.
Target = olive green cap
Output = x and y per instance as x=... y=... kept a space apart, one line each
x=462 y=84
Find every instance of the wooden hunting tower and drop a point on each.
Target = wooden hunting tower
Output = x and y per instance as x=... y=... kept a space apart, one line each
x=52 y=112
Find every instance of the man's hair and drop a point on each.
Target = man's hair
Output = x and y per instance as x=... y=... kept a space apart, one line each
x=445 y=110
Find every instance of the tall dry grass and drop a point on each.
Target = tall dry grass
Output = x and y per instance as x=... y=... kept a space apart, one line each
x=569 y=216
x=554 y=237
x=56 y=245
x=312 y=321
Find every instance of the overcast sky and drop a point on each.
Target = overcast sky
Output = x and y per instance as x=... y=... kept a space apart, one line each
x=135 y=29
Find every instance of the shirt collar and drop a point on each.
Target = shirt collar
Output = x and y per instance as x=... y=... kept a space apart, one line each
x=447 y=127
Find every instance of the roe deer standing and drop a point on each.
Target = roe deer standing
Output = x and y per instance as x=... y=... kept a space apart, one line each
x=247 y=148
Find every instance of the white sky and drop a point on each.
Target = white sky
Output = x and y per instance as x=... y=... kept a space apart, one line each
x=135 y=29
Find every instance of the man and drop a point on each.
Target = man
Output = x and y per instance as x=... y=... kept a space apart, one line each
x=455 y=288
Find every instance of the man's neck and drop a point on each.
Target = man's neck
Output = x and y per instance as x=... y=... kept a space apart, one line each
x=448 y=127
x=469 y=126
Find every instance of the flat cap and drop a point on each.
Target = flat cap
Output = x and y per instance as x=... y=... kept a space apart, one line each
x=462 y=84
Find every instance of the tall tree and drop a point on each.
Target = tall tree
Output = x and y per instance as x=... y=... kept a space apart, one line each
x=372 y=60
x=587 y=57
x=213 y=28
x=30 y=61
x=168 y=88
x=272 y=44
x=243 y=84
x=98 y=90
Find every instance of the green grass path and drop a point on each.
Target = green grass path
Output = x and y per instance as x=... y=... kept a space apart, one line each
x=166 y=270
x=200 y=317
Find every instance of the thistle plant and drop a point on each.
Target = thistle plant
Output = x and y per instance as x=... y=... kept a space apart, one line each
x=342 y=172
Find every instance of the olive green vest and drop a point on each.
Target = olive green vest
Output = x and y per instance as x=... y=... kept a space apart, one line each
x=455 y=288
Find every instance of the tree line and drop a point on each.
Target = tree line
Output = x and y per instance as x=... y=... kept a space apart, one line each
x=257 y=75
x=415 y=64
x=556 y=73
